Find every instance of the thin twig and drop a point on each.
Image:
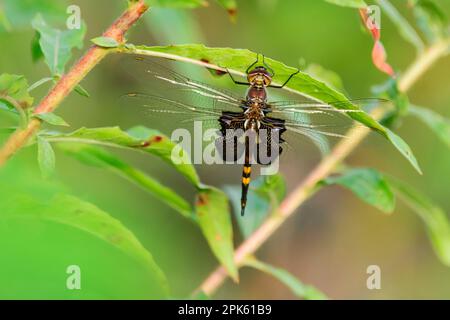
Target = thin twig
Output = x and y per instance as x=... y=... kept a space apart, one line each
x=68 y=82
x=307 y=188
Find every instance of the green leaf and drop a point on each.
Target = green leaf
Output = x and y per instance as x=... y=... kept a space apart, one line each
x=20 y=13
x=296 y=286
x=238 y=60
x=265 y=194
x=88 y=217
x=430 y=19
x=46 y=157
x=68 y=210
x=105 y=42
x=436 y=122
x=36 y=52
x=81 y=91
x=400 y=100
x=137 y=138
x=404 y=149
x=435 y=219
x=330 y=78
x=51 y=118
x=349 y=3
x=5 y=104
x=161 y=146
x=56 y=44
x=258 y=208
x=272 y=187
x=228 y=4
x=201 y=295
x=8 y=130
x=98 y=157
x=42 y=222
x=403 y=26
x=213 y=216
x=369 y=185
x=39 y=83
x=16 y=87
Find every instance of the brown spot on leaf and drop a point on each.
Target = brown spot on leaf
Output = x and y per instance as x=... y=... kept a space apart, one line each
x=214 y=72
x=156 y=139
x=220 y=72
x=218 y=237
x=202 y=200
x=232 y=13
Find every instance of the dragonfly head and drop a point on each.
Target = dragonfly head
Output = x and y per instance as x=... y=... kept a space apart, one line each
x=259 y=77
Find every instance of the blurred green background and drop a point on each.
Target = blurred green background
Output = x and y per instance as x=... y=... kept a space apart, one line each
x=331 y=240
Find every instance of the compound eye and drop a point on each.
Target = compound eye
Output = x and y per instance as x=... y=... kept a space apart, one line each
x=251 y=78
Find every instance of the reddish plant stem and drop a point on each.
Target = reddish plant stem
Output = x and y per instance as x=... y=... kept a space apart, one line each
x=68 y=82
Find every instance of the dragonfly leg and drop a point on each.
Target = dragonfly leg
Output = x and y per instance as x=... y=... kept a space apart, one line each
x=250 y=66
x=287 y=80
x=272 y=73
x=235 y=81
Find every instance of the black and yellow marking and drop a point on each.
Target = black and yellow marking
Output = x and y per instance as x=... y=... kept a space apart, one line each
x=245 y=184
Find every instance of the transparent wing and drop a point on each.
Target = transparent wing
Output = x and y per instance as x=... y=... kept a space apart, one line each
x=320 y=135
x=160 y=78
x=293 y=135
x=321 y=127
x=319 y=122
x=157 y=104
x=311 y=107
x=172 y=113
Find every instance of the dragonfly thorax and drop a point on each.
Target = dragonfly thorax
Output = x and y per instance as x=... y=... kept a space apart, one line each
x=256 y=95
x=259 y=77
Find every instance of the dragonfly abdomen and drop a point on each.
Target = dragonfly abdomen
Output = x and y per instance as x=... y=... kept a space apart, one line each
x=246 y=172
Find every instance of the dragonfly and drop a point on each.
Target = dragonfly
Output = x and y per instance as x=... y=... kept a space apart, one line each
x=253 y=113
